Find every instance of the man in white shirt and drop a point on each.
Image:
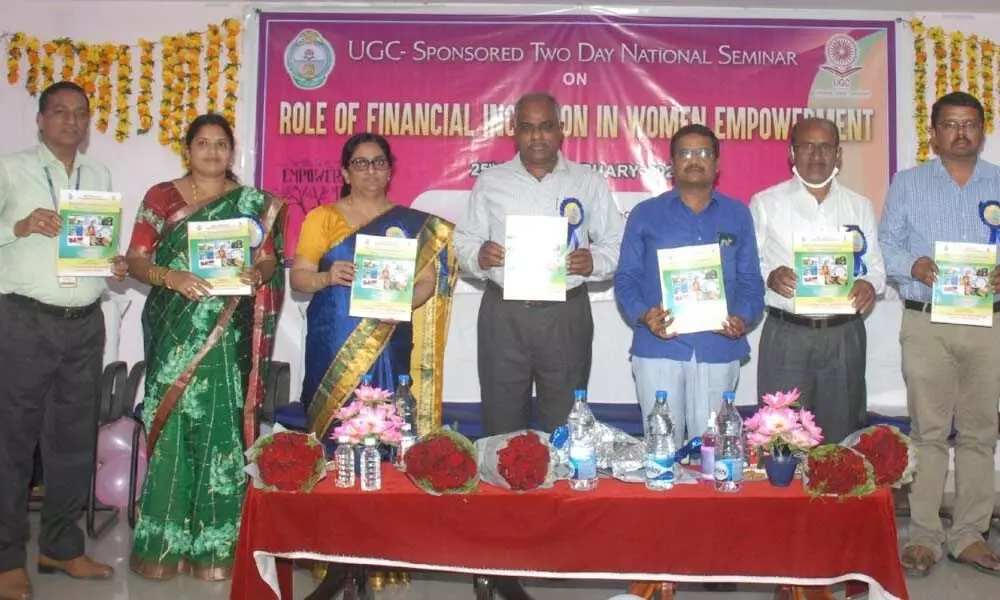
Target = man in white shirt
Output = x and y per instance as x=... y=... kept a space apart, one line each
x=51 y=347
x=823 y=356
x=521 y=343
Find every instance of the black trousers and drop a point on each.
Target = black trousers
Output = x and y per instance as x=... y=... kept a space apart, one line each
x=826 y=365
x=50 y=371
x=548 y=344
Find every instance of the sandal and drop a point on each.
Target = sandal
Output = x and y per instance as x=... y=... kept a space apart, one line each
x=918 y=560
x=979 y=552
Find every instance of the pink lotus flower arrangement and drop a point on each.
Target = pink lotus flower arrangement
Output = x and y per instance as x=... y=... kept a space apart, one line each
x=371 y=414
x=781 y=426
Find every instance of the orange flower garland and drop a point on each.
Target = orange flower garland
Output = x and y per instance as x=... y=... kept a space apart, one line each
x=920 y=90
x=15 y=48
x=989 y=92
x=955 y=58
x=972 y=65
x=123 y=92
x=940 y=62
x=213 y=54
x=146 y=66
x=105 y=72
x=232 y=69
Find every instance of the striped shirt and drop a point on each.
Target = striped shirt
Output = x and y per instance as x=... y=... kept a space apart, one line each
x=924 y=206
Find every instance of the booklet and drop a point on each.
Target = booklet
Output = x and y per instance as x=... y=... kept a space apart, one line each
x=535 y=258
x=91 y=225
x=383 y=277
x=824 y=265
x=218 y=253
x=692 y=286
x=962 y=293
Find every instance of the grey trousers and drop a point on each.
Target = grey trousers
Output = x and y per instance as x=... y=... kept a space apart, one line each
x=547 y=344
x=826 y=365
x=50 y=370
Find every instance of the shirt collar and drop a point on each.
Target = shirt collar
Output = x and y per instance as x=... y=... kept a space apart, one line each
x=674 y=197
x=940 y=171
x=48 y=159
x=798 y=187
x=560 y=167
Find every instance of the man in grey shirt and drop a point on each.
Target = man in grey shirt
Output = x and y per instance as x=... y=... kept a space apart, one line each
x=521 y=343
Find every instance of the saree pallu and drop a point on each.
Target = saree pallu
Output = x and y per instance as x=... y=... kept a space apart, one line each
x=340 y=349
x=206 y=364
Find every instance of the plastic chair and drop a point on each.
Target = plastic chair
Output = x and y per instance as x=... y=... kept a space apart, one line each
x=111 y=406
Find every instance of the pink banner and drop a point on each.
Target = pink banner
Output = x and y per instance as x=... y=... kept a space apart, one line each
x=442 y=88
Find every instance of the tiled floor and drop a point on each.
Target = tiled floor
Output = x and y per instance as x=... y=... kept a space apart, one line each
x=948 y=582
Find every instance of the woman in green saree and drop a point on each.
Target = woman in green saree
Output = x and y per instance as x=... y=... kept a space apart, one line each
x=206 y=357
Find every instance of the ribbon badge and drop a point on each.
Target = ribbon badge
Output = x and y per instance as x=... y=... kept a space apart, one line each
x=989 y=212
x=256 y=232
x=860 y=248
x=572 y=209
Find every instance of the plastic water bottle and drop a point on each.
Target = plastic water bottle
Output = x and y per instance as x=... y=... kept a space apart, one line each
x=343 y=459
x=729 y=458
x=371 y=467
x=708 y=441
x=660 y=450
x=405 y=406
x=406 y=441
x=582 y=454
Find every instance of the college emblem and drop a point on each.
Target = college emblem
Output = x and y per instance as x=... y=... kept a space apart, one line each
x=395 y=232
x=309 y=60
x=843 y=55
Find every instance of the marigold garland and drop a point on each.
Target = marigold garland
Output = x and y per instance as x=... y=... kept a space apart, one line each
x=213 y=55
x=920 y=90
x=232 y=27
x=122 y=93
x=146 y=66
x=48 y=64
x=955 y=60
x=940 y=62
x=989 y=92
x=68 y=52
x=192 y=65
x=972 y=61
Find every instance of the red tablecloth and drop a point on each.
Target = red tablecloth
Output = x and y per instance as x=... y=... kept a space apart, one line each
x=620 y=531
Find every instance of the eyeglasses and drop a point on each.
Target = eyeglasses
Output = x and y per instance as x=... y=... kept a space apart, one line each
x=543 y=127
x=63 y=114
x=963 y=125
x=823 y=148
x=689 y=153
x=206 y=144
x=363 y=164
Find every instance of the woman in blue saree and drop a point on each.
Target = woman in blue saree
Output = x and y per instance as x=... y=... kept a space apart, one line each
x=341 y=349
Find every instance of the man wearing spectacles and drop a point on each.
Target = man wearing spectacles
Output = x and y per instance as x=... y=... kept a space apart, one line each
x=823 y=356
x=547 y=344
x=951 y=371
x=695 y=368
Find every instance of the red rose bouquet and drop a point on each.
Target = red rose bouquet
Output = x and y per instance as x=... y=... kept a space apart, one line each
x=834 y=470
x=890 y=452
x=443 y=462
x=286 y=461
x=519 y=461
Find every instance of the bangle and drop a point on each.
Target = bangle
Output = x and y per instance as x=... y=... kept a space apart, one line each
x=158 y=275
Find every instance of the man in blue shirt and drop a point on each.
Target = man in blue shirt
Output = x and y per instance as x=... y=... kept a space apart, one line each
x=694 y=368
x=952 y=372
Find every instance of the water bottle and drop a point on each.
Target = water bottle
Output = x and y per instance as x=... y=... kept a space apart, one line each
x=371 y=467
x=708 y=441
x=729 y=459
x=343 y=459
x=403 y=399
x=660 y=449
x=406 y=441
x=582 y=453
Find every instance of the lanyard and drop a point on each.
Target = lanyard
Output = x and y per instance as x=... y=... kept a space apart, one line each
x=52 y=188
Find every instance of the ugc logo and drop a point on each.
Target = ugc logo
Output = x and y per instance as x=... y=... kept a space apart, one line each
x=309 y=59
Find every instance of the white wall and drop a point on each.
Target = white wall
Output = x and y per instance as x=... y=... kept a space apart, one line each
x=141 y=162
